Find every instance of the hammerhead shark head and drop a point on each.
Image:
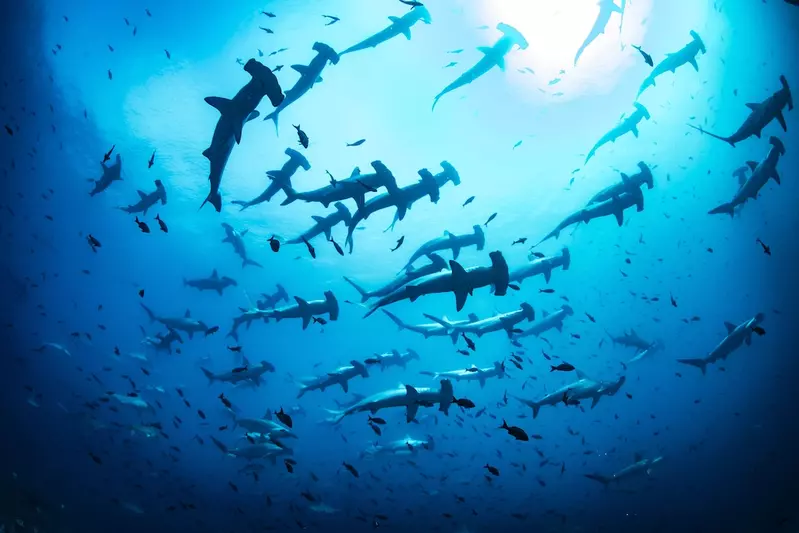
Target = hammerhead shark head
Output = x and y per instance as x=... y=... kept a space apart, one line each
x=399 y=26
x=760 y=116
x=405 y=197
x=233 y=115
x=281 y=179
x=493 y=56
x=627 y=125
x=606 y=9
x=686 y=55
x=309 y=75
x=147 y=200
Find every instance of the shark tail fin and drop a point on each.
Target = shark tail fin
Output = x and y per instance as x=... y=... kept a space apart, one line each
x=210 y=375
x=215 y=199
x=274 y=117
x=725 y=208
x=701 y=364
x=394 y=318
x=597 y=477
x=364 y=294
x=337 y=417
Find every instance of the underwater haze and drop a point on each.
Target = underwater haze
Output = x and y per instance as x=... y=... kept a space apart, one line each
x=356 y=265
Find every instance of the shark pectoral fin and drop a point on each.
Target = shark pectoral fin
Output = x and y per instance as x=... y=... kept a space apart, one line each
x=402 y=210
x=410 y=414
x=730 y=327
x=223 y=105
x=345 y=385
x=301 y=69
x=456 y=250
x=781 y=120
x=252 y=116
x=693 y=63
x=619 y=216
x=394 y=20
x=595 y=400
x=501 y=63
x=482 y=382
x=318 y=219
x=776 y=177
x=460 y=300
x=748 y=340
x=485 y=49
x=634 y=129
x=547 y=275
x=319 y=79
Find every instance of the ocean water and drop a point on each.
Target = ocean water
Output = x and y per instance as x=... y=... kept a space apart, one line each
x=82 y=77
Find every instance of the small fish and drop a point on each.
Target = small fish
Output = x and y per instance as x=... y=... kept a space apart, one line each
x=463 y=352
x=630 y=396
x=225 y=401
x=766 y=249
x=94 y=243
x=514 y=286
x=303 y=138
x=351 y=469
x=356 y=143
x=492 y=217
x=591 y=318
x=760 y=331
x=289 y=466
x=336 y=246
x=399 y=243
x=211 y=330
x=514 y=431
x=274 y=244
x=201 y=414
x=563 y=367
x=284 y=418
x=673 y=301
x=311 y=249
x=468 y=201
x=267 y=30
x=493 y=470
x=518 y=144
x=647 y=57
x=110 y=75
x=451 y=64
x=268 y=14
x=464 y=402
x=411 y=3
x=142 y=226
x=151 y=162
x=141 y=293
x=520 y=240
x=458 y=51
x=319 y=320
x=537 y=254
x=107 y=156
x=376 y=420
x=546 y=291
x=233 y=486
x=332 y=19
x=161 y=224
x=469 y=342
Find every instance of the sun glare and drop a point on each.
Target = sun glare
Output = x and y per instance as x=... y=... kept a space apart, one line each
x=556 y=30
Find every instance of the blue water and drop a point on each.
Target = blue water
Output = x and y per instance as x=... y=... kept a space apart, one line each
x=518 y=140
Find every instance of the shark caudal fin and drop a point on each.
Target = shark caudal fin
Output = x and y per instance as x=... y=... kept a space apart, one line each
x=337 y=417
x=274 y=115
x=248 y=261
x=364 y=294
x=700 y=129
x=726 y=208
x=394 y=318
x=215 y=199
x=597 y=477
x=210 y=375
x=701 y=364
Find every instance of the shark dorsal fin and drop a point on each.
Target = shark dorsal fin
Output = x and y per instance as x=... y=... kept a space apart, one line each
x=458 y=272
x=473 y=317
x=395 y=353
x=394 y=19
x=637 y=457
x=317 y=218
x=301 y=69
x=730 y=327
x=753 y=106
x=581 y=375
x=751 y=164
x=187 y=314
x=142 y=194
x=214 y=274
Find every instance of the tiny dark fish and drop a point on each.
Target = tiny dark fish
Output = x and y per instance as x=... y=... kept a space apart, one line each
x=151 y=162
x=520 y=240
x=469 y=342
x=546 y=291
x=274 y=244
x=376 y=420
x=468 y=201
x=515 y=432
x=311 y=249
x=493 y=470
x=357 y=143
x=267 y=30
x=9 y=130
x=142 y=226
x=647 y=57
x=284 y=418
x=492 y=217
x=95 y=458
x=336 y=246
x=268 y=14
x=161 y=224
x=168 y=55
x=630 y=396
x=514 y=286
x=202 y=415
x=233 y=486
x=464 y=402
x=141 y=293
x=563 y=367
x=673 y=301
x=591 y=318
x=351 y=469
x=303 y=138
x=225 y=401
x=211 y=330
x=399 y=243
x=538 y=255
x=289 y=466
x=319 y=320
x=411 y=3
x=463 y=352
x=760 y=331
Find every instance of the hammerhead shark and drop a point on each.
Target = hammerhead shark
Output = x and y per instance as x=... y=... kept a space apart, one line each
x=309 y=75
x=627 y=125
x=760 y=116
x=399 y=26
x=233 y=115
x=493 y=56
x=110 y=175
x=147 y=200
x=324 y=225
x=686 y=55
x=449 y=241
x=281 y=179
x=355 y=187
x=606 y=9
